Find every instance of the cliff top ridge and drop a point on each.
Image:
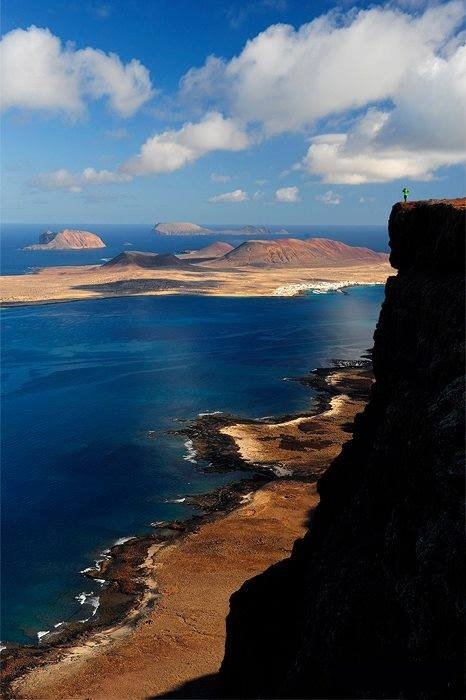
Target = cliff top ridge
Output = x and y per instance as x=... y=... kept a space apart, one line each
x=428 y=234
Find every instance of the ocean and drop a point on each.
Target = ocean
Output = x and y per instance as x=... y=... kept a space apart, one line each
x=83 y=383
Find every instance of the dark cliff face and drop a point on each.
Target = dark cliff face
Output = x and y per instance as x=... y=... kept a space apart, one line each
x=369 y=605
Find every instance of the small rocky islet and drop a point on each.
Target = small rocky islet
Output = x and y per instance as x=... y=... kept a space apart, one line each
x=67 y=239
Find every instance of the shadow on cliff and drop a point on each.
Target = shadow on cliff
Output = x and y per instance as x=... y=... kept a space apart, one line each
x=369 y=604
x=202 y=688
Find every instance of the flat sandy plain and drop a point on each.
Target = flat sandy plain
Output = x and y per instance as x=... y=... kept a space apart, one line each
x=59 y=284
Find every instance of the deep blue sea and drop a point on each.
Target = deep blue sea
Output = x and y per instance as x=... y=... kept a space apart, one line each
x=84 y=382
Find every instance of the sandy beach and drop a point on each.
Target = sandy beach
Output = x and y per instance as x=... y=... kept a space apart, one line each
x=59 y=284
x=298 y=444
x=175 y=630
x=183 y=637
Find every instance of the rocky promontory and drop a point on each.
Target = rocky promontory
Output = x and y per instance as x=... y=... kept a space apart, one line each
x=369 y=603
x=179 y=228
x=67 y=239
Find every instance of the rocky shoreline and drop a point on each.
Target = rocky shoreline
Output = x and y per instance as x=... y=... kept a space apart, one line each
x=127 y=596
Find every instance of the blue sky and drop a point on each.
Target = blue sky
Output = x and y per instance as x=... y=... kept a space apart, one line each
x=114 y=112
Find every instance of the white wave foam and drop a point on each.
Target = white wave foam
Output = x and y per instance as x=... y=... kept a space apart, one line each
x=59 y=624
x=280 y=471
x=42 y=633
x=2 y=647
x=210 y=413
x=175 y=500
x=318 y=287
x=122 y=540
x=246 y=498
x=190 y=452
x=89 y=599
x=86 y=571
x=99 y=562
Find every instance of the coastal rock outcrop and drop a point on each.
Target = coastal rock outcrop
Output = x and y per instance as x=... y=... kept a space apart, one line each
x=294 y=251
x=67 y=239
x=177 y=228
x=369 y=603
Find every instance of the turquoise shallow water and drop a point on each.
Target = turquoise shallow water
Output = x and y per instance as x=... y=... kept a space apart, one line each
x=82 y=384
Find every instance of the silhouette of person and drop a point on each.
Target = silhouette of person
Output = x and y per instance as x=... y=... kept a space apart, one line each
x=405 y=192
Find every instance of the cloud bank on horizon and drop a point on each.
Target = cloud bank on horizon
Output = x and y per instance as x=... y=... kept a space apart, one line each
x=376 y=94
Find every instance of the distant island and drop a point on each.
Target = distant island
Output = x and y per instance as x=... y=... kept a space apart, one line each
x=273 y=267
x=67 y=239
x=177 y=228
x=187 y=228
x=250 y=229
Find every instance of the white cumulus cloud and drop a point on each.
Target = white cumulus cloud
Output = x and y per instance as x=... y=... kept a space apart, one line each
x=286 y=79
x=234 y=196
x=162 y=153
x=423 y=132
x=329 y=197
x=75 y=182
x=173 y=149
x=405 y=72
x=287 y=194
x=393 y=80
x=39 y=73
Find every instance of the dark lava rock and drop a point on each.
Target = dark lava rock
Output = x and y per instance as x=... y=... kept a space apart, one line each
x=369 y=603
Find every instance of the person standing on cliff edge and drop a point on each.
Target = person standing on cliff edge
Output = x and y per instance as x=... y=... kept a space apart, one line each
x=405 y=192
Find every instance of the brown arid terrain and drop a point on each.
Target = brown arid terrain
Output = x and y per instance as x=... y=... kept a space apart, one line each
x=299 y=444
x=141 y=273
x=215 y=250
x=184 y=636
x=175 y=629
x=294 y=251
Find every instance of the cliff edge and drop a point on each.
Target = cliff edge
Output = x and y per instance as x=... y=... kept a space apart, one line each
x=369 y=603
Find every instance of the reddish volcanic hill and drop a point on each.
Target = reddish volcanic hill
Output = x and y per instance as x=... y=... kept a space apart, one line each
x=293 y=251
x=135 y=258
x=215 y=250
x=68 y=239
